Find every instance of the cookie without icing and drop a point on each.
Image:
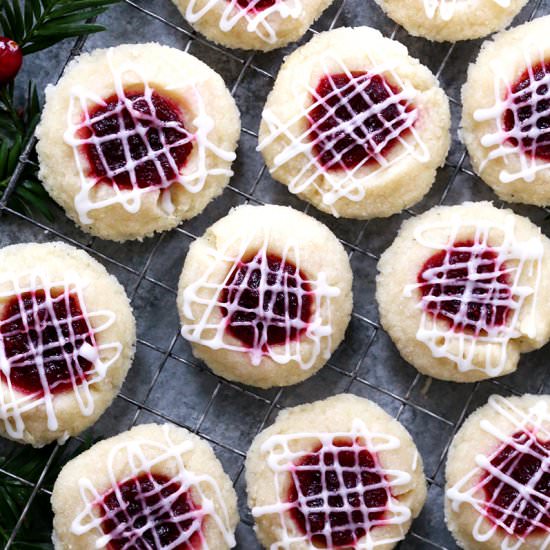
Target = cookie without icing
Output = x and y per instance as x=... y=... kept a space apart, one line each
x=252 y=24
x=355 y=125
x=506 y=113
x=498 y=476
x=265 y=296
x=452 y=20
x=174 y=156
x=343 y=458
x=155 y=486
x=463 y=290
x=67 y=337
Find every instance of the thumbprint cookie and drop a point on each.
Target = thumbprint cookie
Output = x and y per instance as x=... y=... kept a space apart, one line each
x=135 y=139
x=452 y=20
x=67 y=337
x=252 y=24
x=498 y=476
x=463 y=290
x=355 y=125
x=338 y=473
x=506 y=116
x=265 y=296
x=155 y=486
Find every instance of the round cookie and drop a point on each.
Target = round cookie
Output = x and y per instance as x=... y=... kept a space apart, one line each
x=259 y=301
x=67 y=337
x=463 y=290
x=155 y=486
x=452 y=20
x=174 y=156
x=355 y=125
x=506 y=113
x=498 y=476
x=323 y=451
x=252 y=24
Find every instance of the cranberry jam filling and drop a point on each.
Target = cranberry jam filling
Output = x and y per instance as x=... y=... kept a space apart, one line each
x=466 y=285
x=147 y=513
x=520 y=514
x=338 y=488
x=267 y=302
x=142 y=145
x=39 y=334
x=528 y=119
x=255 y=5
x=355 y=119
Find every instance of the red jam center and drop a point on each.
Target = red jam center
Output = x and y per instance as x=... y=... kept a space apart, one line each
x=136 y=141
x=529 y=467
x=356 y=119
x=42 y=335
x=529 y=118
x=255 y=5
x=343 y=491
x=267 y=302
x=467 y=285
x=150 y=511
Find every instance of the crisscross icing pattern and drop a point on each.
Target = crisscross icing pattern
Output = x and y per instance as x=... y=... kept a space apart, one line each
x=350 y=114
x=521 y=116
x=510 y=488
x=50 y=337
x=260 y=16
x=147 y=139
x=147 y=509
x=493 y=300
x=263 y=307
x=446 y=8
x=339 y=491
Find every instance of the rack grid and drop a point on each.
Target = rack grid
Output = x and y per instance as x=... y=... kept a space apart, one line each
x=366 y=364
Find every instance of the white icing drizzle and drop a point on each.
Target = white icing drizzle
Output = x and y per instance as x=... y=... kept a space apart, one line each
x=143 y=456
x=520 y=163
x=486 y=348
x=300 y=143
x=534 y=423
x=210 y=329
x=261 y=22
x=446 y=8
x=14 y=404
x=285 y=450
x=192 y=177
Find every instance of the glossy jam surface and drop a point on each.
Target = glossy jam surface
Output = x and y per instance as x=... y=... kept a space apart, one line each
x=136 y=141
x=267 y=302
x=355 y=118
x=338 y=491
x=528 y=119
x=43 y=336
x=466 y=285
x=256 y=5
x=150 y=511
x=529 y=467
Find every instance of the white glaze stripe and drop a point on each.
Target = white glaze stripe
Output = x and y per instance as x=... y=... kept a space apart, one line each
x=264 y=23
x=486 y=350
x=520 y=164
x=296 y=132
x=210 y=329
x=192 y=177
x=469 y=490
x=447 y=8
x=285 y=450
x=13 y=404
x=140 y=456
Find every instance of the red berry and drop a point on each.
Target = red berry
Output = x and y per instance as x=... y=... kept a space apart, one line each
x=11 y=58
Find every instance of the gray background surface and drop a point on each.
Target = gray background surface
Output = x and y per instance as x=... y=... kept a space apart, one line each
x=167 y=384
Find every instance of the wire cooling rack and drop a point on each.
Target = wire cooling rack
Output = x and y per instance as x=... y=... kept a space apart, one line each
x=166 y=383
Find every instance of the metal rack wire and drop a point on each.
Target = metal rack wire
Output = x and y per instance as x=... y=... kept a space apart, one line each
x=348 y=371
